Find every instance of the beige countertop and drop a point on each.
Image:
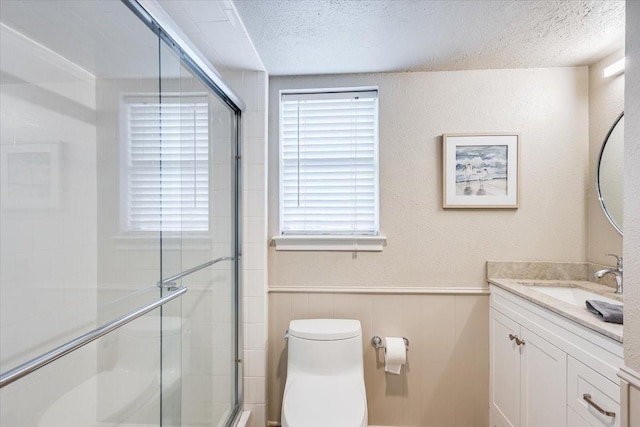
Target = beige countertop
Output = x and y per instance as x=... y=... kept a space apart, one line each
x=526 y=288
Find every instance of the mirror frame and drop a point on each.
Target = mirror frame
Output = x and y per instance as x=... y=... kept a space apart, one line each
x=602 y=204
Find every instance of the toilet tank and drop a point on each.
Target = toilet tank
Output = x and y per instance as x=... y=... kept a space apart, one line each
x=325 y=347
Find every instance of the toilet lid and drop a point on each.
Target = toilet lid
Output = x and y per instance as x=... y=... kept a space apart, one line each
x=325 y=329
x=313 y=401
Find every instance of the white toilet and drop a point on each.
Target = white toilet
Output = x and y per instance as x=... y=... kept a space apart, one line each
x=325 y=376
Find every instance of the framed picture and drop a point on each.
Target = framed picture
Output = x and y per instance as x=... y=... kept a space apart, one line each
x=30 y=175
x=481 y=170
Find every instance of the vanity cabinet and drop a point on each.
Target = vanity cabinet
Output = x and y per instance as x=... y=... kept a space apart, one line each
x=529 y=384
x=546 y=370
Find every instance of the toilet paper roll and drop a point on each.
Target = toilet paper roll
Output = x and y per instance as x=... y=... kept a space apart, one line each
x=395 y=354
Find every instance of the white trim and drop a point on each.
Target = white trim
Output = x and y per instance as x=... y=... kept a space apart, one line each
x=614 y=69
x=628 y=379
x=630 y=376
x=244 y=419
x=154 y=8
x=330 y=243
x=441 y=290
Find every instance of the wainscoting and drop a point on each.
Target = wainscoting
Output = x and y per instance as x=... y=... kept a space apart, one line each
x=446 y=378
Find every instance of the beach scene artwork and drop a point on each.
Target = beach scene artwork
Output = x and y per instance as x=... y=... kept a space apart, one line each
x=481 y=170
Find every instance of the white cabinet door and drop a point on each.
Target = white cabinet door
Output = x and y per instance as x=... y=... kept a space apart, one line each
x=505 y=370
x=543 y=371
x=494 y=421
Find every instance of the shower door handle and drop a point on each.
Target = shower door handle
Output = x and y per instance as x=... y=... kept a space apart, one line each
x=34 y=364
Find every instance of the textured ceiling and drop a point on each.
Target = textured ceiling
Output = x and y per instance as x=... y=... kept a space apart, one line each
x=350 y=36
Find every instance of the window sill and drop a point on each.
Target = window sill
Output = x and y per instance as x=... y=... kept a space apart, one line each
x=330 y=243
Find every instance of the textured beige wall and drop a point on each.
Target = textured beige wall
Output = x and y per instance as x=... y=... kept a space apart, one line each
x=632 y=190
x=428 y=246
x=606 y=102
x=446 y=379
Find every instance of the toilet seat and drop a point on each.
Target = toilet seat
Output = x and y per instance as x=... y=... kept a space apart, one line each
x=315 y=401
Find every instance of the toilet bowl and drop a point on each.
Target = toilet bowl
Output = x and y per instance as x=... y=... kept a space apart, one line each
x=325 y=377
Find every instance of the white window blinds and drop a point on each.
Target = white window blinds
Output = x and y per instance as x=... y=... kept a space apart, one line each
x=329 y=163
x=167 y=166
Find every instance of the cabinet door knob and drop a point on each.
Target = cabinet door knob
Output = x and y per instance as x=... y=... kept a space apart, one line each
x=515 y=337
x=587 y=398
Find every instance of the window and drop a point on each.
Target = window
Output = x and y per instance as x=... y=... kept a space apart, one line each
x=329 y=163
x=167 y=164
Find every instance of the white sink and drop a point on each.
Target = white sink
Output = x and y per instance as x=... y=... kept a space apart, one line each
x=575 y=296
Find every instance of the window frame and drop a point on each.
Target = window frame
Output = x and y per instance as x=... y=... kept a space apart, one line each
x=330 y=241
x=126 y=100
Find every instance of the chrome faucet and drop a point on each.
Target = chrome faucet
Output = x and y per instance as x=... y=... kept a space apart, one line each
x=617 y=272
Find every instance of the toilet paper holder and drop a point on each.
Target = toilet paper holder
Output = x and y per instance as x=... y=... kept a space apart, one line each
x=376 y=342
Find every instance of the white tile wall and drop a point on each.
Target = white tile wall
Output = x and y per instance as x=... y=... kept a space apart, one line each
x=251 y=87
x=48 y=251
x=129 y=264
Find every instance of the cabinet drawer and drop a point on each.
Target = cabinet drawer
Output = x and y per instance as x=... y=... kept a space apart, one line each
x=575 y=420
x=581 y=381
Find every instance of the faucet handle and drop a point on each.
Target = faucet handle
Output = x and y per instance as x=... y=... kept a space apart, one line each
x=618 y=259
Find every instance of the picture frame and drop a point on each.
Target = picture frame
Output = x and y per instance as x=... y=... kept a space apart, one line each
x=481 y=171
x=30 y=175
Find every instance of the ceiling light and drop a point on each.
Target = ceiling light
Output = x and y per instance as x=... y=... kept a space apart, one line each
x=614 y=69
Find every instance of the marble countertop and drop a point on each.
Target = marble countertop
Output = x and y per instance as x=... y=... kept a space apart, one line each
x=526 y=288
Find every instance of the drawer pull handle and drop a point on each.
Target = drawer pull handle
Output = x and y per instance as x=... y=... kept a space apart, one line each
x=587 y=398
x=512 y=337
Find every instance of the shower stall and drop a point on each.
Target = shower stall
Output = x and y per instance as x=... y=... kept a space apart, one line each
x=119 y=215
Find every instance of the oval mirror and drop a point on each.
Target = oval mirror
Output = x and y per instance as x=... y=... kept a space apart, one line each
x=610 y=172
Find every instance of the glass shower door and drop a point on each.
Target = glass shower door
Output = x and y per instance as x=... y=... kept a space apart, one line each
x=75 y=253
x=199 y=233
x=118 y=177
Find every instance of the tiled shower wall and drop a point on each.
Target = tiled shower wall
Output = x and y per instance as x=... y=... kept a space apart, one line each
x=47 y=221
x=252 y=88
x=207 y=308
